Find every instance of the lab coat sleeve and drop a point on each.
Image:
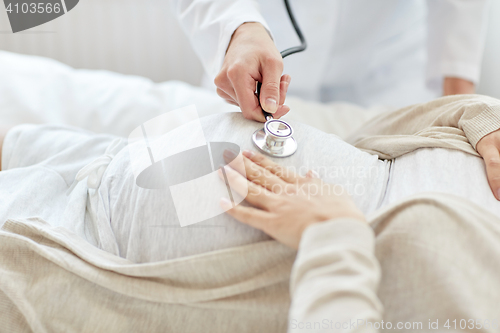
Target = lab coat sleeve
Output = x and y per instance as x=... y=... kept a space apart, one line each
x=209 y=25
x=456 y=38
x=335 y=279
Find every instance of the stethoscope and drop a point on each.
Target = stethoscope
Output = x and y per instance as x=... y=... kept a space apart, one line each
x=276 y=139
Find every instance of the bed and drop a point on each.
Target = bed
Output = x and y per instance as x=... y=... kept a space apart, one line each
x=53 y=281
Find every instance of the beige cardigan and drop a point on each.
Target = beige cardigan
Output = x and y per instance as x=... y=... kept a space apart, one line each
x=53 y=281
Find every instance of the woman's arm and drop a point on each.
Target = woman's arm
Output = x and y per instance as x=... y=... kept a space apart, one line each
x=335 y=279
x=456 y=122
x=464 y=122
x=336 y=275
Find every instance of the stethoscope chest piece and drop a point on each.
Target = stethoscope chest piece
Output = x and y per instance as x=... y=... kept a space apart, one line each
x=275 y=139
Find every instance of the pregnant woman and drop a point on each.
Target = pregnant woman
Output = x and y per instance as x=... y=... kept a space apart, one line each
x=401 y=228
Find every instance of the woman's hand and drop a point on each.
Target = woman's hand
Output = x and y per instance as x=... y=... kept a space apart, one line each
x=285 y=203
x=3 y=133
x=489 y=149
x=252 y=57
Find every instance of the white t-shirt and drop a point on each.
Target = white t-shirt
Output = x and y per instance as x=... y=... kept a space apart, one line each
x=440 y=170
x=141 y=216
x=141 y=224
x=41 y=163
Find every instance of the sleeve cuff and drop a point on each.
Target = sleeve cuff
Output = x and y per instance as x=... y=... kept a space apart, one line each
x=483 y=124
x=338 y=233
x=462 y=70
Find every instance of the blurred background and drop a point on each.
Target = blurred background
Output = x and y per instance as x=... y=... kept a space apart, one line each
x=144 y=38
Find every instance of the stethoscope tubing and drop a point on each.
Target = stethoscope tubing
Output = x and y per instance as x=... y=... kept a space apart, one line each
x=287 y=52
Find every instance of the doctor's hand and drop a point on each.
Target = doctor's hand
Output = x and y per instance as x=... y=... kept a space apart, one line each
x=489 y=149
x=285 y=203
x=252 y=57
x=457 y=86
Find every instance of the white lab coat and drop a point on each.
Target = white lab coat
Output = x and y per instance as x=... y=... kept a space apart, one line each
x=370 y=52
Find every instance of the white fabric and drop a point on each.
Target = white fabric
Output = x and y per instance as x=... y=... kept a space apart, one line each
x=140 y=215
x=456 y=38
x=440 y=170
x=38 y=167
x=210 y=25
x=95 y=169
x=46 y=160
x=124 y=217
x=121 y=217
x=41 y=90
x=362 y=51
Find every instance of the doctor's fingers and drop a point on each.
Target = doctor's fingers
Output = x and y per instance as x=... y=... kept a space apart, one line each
x=258 y=174
x=272 y=69
x=491 y=156
x=226 y=97
x=283 y=109
x=253 y=193
x=284 y=84
x=287 y=174
x=244 y=87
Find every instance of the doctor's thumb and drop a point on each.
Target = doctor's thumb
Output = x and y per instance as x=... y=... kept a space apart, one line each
x=270 y=91
x=269 y=97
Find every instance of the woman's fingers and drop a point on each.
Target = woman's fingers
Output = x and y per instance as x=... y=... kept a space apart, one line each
x=253 y=193
x=491 y=156
x=489 y=149
x=311 y=174
x=252 y=216
x=256 y=173
x=286 y=174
